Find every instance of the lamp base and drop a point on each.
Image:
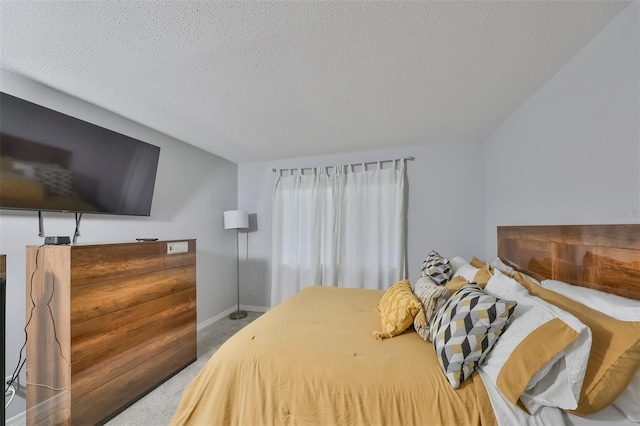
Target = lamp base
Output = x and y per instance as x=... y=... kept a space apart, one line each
x=237 y=315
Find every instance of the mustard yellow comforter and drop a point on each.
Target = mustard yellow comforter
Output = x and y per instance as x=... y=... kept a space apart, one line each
x=313 y=360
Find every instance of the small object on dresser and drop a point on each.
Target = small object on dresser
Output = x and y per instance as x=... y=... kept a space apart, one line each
x=146 y=239
x=57 y=241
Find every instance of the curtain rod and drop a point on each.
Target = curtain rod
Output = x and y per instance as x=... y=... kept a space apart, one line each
x=410 y=158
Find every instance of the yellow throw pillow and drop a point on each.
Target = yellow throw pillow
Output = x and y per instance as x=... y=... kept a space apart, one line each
x=456 y=284
x=522 y=279
x=477 y=263
x=397 y=307
x=483 y=276
x=615 y=351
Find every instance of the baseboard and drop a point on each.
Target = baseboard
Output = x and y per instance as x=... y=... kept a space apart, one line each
x=226 y=312
x=19 y=419
x=51 y=409
x=252 y=308
x=215 y=318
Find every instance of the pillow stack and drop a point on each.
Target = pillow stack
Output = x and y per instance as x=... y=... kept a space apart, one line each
x=546 y=365
x=463 y=327
x=615 y=356
x=616 y=307
x=400 y=306
x=537 y=346
x=541 y=338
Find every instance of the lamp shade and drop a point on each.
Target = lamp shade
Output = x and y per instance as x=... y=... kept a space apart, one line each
x=236 y=219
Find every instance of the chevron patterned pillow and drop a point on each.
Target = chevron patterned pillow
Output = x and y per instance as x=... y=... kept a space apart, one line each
x=465 y=330
x=437 y=268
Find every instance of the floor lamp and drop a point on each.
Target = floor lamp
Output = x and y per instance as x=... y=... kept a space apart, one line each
x=237 y=219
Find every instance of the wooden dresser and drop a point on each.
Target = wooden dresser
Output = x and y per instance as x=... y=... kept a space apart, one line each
x=110 y=323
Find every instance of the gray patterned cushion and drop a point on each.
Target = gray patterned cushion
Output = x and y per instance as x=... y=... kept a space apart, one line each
x=432 y=297
x=465 y=330
x=437 y=268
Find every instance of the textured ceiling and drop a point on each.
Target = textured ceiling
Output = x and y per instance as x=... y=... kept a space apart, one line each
x=253 y=81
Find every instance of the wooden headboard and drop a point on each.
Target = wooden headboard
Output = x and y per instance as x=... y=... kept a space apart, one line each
x=603 y=257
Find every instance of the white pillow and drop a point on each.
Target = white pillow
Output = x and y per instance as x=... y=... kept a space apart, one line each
x=620 y=308
x=502 y=267
x=617 y=307
x=530 y=278
x=627 y=402
x=541 y=358
x=456 y=263
x=466 y=271
x=508 y=270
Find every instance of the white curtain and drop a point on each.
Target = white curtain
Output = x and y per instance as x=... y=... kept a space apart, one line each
x=342 y=227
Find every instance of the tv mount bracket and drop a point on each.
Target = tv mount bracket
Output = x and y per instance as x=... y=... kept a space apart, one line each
x=76 y=233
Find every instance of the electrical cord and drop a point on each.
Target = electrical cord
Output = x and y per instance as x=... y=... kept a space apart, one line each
x=53 y=321
x=12 y=391
x=46 y=386
x=21 y=361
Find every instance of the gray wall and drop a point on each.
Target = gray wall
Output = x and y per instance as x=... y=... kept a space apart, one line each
x=571 y=153
x=192 y=190
x=445 y=211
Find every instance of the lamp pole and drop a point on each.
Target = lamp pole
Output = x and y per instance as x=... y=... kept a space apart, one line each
x=238 y=314
x=237 y=219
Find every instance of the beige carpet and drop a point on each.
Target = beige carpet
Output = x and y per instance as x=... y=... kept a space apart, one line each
x=157 y=407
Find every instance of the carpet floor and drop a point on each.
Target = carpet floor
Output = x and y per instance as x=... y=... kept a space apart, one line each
x=157 y=407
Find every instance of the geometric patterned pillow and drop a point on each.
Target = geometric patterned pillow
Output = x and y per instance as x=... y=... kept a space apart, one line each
x=437 y=268
x=465 y=330
x=398 y=307
x=432 y=297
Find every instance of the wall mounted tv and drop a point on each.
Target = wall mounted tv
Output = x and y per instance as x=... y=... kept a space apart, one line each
x=50 y=161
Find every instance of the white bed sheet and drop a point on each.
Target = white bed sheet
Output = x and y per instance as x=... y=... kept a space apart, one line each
x=609 y=416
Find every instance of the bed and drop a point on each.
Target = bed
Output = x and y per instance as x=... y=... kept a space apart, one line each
x=313 y=358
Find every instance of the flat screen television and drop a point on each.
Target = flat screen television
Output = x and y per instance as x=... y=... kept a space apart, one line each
x=50 y=161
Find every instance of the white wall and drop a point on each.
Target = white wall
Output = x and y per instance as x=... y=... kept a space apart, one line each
x=446 y=207
x=571 y=153
x=192 y=190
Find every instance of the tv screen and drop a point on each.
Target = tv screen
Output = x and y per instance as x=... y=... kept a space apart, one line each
x=50 y=161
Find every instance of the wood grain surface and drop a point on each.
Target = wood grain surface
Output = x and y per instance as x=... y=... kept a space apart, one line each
x=602 y=257
x=110 y=322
